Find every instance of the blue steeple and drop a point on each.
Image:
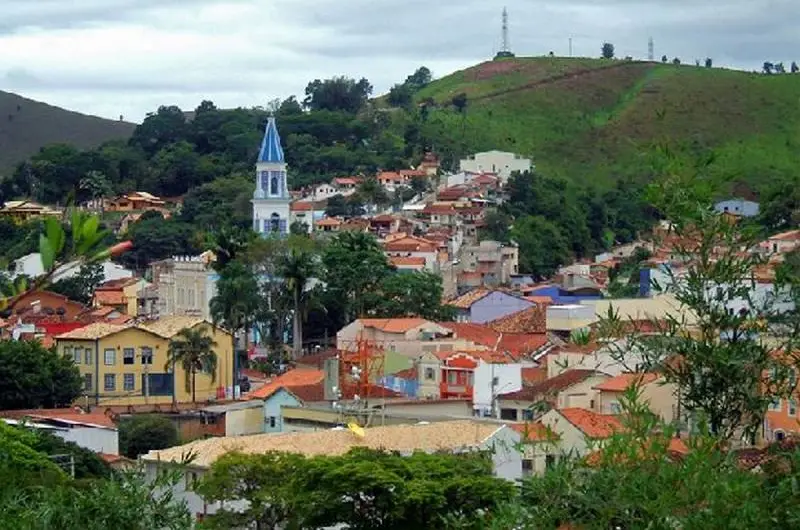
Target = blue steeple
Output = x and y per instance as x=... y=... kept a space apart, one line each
x=271 y=150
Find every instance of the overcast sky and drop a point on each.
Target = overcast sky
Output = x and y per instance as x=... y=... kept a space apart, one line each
x=126 y=57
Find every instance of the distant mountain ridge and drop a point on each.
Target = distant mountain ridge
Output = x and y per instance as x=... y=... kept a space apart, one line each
x=27 y=125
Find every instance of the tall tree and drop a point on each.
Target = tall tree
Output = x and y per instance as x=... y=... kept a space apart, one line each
x=81 y=286
x=542 y=246
x=355 y=266
x=237 y=300
x=337 y=94
x=412 y=294
x=140 y=434
x=34 y=377
x=193 y=349
x=297 y=267
x=607 y=50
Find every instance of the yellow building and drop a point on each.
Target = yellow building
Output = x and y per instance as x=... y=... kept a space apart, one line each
x=21 y=211
x=128 y=364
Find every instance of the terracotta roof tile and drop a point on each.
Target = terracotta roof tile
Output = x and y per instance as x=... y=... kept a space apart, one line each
x=392 y=325
x=408 y=373
x=791 y=235
x=300 y=381
x=169 y=326
x=329 y=221
x=301 y=206
x=466 y=300
x=550 y=387
x=533 y=375
x=531 y=320
x=99 y=419
x=592 y=424
x=109 y=298
x=622 y=382
x=410 y=244
x=515 y=343
x=398 y=261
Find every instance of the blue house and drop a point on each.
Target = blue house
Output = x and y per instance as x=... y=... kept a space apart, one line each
x=566 y=295
x=484 y=305
x=273 y=415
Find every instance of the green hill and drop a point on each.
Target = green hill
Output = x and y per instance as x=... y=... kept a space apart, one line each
x=593 y=119
x=27 y=125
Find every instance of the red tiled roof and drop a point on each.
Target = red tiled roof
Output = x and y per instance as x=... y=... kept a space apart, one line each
x=792 y=235
x=329 y=221
x=297 y=381
x=392 y=325
x=389 y=175
x=515 y=343
x=113 y=285
x=592 y=424
x=408 y=373
x=345 y=181
x=439 y=209
x=531 y=320
x=533 y=375
x=550 y=387
x=112 y=298
x=406 y=261
x=301 y=206
x=539 y=299
x=622 y=382
x=410 y=244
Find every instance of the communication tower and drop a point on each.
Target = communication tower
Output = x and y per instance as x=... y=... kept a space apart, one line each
x=651 y=55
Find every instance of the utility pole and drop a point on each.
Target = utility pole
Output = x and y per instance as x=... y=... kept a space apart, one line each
x=570 y=46
x=651 y=55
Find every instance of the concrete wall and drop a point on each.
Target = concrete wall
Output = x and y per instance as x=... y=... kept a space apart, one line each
x=509 y=379
x=581 y=395
x=572 y=441
x=244 y=421
x=496 y=305
x=499 y=162
x=423 y=408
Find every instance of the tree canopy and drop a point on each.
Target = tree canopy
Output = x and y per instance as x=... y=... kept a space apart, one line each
x=32 y=376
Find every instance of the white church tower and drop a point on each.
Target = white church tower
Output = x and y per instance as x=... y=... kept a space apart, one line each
x=271 y=198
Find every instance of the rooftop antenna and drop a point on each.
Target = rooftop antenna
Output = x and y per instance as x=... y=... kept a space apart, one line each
x=650 y=50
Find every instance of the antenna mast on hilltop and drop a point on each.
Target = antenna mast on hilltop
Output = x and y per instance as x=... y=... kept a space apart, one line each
x=505 y=47
x=651 y=56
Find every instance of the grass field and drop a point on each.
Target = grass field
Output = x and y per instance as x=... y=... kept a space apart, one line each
x=597 y=119
x=27 y=125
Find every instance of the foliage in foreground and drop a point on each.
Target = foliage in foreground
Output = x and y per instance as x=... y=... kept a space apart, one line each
x=363 y=489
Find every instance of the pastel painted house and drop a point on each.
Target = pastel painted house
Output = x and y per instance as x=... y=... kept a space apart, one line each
x=661 y=397
x=484 y=305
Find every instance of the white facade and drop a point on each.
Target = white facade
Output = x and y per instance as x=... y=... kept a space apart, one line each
x=500 y=163
x=507 y=377
x=271 y=198
x=31 y=266
x=91 y=437
x=186 y=285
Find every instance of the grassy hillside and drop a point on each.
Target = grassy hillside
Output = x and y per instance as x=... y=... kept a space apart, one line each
x=596 y=119
x=27 y=125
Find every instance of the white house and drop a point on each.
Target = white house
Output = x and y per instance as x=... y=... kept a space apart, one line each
x=500 y=163
x=738 y=207
x=31 y=266
x=271 y=198
x=100 y=436
x=456 y=436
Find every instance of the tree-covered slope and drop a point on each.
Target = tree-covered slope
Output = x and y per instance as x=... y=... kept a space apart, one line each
x=597 y=120
x=27 y=125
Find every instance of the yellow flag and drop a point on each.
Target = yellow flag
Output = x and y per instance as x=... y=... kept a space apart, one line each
x=357 y=429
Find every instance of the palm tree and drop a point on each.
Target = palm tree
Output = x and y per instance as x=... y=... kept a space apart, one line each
x=298 y=266
x=193 y=349
x=236 y=301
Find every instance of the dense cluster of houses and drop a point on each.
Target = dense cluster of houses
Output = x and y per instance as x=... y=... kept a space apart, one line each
x=508 y=375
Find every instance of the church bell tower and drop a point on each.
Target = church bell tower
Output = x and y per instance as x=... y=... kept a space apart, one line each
x=271 y=199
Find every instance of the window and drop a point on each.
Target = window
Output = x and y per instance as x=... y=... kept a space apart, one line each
x=110 y=382
x=191 y=297
x=615 y=408
x=128 y=382
x=775 y=405
x=508 y=414
x=128 y=356
x=273 y=184
x=527 y=415
x=76 y=355
x=452 y=377
x=792 y=407
x=147 y=355
x=264 y=179
x=780 y=436
x=191 y=479
x=549 y=461
x=110 y=356
x=272 y=422
x=591 y=404
x=87 y=356
x=87 y=381
x=274 y=223
x=430 y=374
x=527 y=467
x=68 y=351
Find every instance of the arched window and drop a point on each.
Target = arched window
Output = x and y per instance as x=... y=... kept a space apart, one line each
x=275 y=223
x=273 y=184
